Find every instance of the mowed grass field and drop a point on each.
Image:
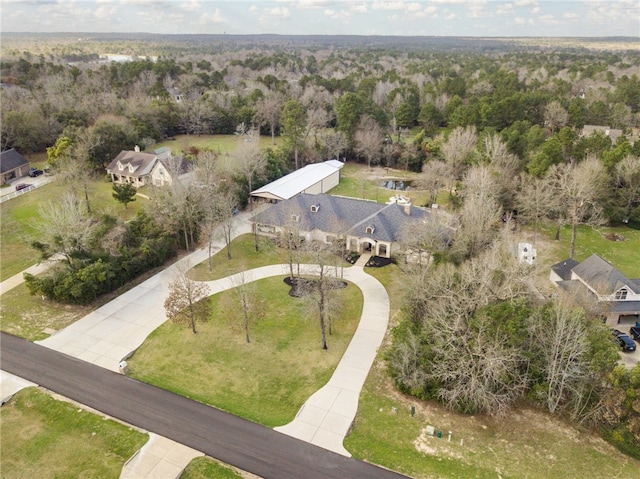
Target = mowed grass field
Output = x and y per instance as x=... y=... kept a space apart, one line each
x=624 y=255
x=358 y=181
x=46 y=438
x=265 y=381
x=207 y=468
x=221 y=144
x=22 y=220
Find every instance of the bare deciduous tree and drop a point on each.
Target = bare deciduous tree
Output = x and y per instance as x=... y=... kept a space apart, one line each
x=335 y=142
x=627 y=175
x=251 y=309
x=480 y=213
x=558 y=334
x=555 y=116
x=321 y=294
x=433 y=179
x=249 y=160
x=184 y=304
x=368 y=139
x=579 y=189
x=461 y=347
x=534 y=202
x=458 y=149
x=66 y=229
x=268 y=111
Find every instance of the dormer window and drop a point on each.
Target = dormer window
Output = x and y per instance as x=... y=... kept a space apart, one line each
x=120 y=166
x=621 y=294
x=315 y=208
x=370 y=230
x=295 y=218
x=131 y=168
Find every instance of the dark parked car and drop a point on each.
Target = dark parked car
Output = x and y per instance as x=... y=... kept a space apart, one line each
x=22 y=186
x=33 y=172
x=625 y=342
x=635 y=332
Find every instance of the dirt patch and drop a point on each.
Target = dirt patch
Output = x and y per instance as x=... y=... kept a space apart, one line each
x=437 y=446
x=379 y=262
x=615 y=237
x=301 y=287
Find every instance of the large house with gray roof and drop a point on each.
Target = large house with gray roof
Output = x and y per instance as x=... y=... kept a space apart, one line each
x=366 y=226
x=599 y=287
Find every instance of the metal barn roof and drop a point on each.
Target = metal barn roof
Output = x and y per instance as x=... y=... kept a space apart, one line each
x=295 y=183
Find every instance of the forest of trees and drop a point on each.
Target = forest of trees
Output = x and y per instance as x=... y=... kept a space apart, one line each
x=498 y=126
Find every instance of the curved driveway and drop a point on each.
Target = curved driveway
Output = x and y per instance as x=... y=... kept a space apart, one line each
x=113 y=332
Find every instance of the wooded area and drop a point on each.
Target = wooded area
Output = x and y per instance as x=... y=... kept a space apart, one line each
x=516 y=133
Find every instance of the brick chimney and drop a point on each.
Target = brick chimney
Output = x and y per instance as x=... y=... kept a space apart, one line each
x=136 y=149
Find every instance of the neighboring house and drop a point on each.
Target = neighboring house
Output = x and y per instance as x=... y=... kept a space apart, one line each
x=599 y=287
x=140 y=169
x=314 y=178
x=13 y=165
x=366 y=226
x=175 y=94
x=612 y=133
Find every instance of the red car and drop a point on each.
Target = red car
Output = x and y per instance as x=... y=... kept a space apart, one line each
x=22 y=186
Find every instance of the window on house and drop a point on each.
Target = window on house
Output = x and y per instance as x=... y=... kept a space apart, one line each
x=622 y=294
x=315 y=208
x=120 y=166
x=370 y=230
x=295 y=218
x=330 y=239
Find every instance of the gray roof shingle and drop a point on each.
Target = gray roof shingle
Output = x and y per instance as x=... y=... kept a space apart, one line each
x=563 y=268
x=602 y=276
x=11 y=159
x=339 y=215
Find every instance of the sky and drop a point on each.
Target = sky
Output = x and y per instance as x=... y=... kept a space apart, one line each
x=566 y=18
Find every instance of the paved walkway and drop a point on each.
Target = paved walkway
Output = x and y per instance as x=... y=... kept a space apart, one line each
x=17 y=279
x=159 y=457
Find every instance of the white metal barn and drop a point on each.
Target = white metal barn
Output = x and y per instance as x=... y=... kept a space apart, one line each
x=313 y=179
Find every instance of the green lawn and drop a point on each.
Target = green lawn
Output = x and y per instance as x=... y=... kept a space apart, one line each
x=244 y=257
x=21 y=217
x=46 y=438
x=208 y=468
x=624 y=255
x=28 y=316
x=218 y=143
x=357 y=181
x=266 y=381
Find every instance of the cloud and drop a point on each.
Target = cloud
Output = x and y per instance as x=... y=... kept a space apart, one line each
x=505 y=9
x=571 y=16
x=254 y=9
x=360 y=8
x=212 y=18
x=549 y=20
x=190 y=6
x=274 y=14
x=105 y=11
x=312 y=3
x=526 y=3
x=388 y=5
x=519 y=21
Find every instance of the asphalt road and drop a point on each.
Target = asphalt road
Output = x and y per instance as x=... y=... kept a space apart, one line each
x=230 y=439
